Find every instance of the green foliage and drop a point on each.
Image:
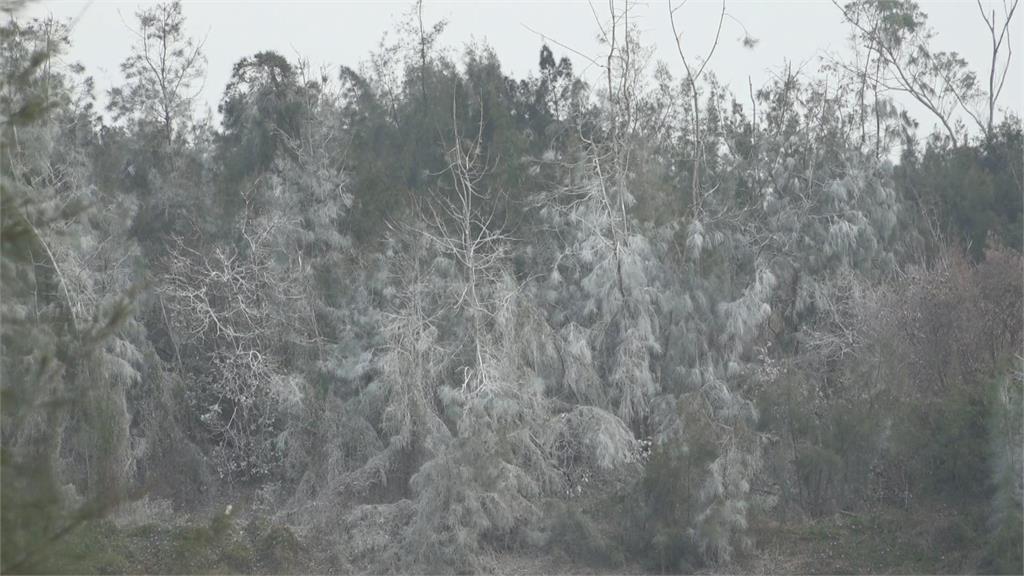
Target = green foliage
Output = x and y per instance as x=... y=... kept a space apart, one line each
x=1005 y=547
x=60 y=330
x=262 y=105
x=818 y=471
x=974 y=190
x=583 y=539
x=943 y=431
x=215 y=547
x=276 y=547
x=950 y=446
x=221 y=546
x=921 y=540
x=671 y=493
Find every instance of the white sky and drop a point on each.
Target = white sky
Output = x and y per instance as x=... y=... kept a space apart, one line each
x=334 y=32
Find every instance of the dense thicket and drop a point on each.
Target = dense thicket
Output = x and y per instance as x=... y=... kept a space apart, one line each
x=418 y=311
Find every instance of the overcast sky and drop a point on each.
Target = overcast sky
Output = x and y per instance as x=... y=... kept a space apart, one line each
x=334 y=32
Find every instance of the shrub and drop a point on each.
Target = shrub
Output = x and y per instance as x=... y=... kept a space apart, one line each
x=583 y=538
x=1006 y=541
x=672 y=511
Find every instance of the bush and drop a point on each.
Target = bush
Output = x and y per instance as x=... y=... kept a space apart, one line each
x=818 y=470
x=217 y=546
x=1006 y=540
x=583 y=539
x=276 y=548
x=668 y=533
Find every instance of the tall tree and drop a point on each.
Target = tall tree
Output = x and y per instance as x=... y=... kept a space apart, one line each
x=161 y=73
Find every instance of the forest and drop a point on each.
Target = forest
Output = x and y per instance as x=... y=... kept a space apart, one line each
x=414 y=315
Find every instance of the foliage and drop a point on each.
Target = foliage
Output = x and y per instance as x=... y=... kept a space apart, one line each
x=160 y=74
x=975 y=190
x=430 y=315
x=1004 y=552
x=64 y=324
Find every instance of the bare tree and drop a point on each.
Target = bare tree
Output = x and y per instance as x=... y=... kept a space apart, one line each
x=998 y=32
x=462 y=228
x=231 y=304
x=693 y=76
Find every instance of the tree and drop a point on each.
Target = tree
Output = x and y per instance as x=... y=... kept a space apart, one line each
x=972 y=191
x=161 y=74
x=997 y=70
x=693 y=75
x=897 y=37
x=227 y=304
x=261 y=107
x=67 y=351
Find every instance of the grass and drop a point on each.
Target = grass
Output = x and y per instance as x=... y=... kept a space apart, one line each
x=921 y=540
x=214 y=547
x=924 y=540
